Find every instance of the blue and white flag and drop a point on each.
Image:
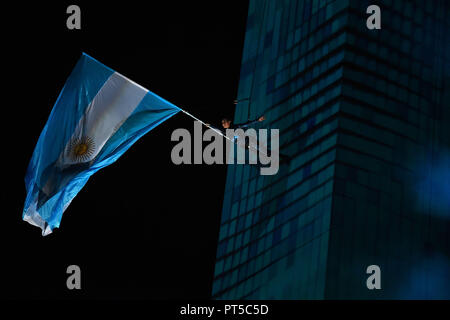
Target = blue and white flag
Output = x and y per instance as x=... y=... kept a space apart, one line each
x=98 y=115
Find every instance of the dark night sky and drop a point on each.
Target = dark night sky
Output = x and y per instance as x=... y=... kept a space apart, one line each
x=142 y=227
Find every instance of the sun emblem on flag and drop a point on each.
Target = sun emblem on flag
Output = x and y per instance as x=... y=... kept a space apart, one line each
x=81 y=149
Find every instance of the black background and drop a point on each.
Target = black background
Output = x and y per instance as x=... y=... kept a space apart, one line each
x=142 y=227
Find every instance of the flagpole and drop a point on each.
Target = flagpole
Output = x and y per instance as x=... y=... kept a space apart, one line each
x=219 y=132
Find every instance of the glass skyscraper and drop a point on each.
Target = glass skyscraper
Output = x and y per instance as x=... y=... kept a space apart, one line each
x=365 y=117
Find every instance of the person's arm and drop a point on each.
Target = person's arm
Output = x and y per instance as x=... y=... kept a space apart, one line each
x=248 y=123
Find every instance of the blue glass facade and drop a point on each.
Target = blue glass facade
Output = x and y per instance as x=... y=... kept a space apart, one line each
x=364 y=115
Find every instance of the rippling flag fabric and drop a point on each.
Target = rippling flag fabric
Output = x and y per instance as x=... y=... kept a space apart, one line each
x=98 y=115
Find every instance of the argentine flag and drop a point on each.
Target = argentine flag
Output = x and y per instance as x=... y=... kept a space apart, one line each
x=98 y=115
